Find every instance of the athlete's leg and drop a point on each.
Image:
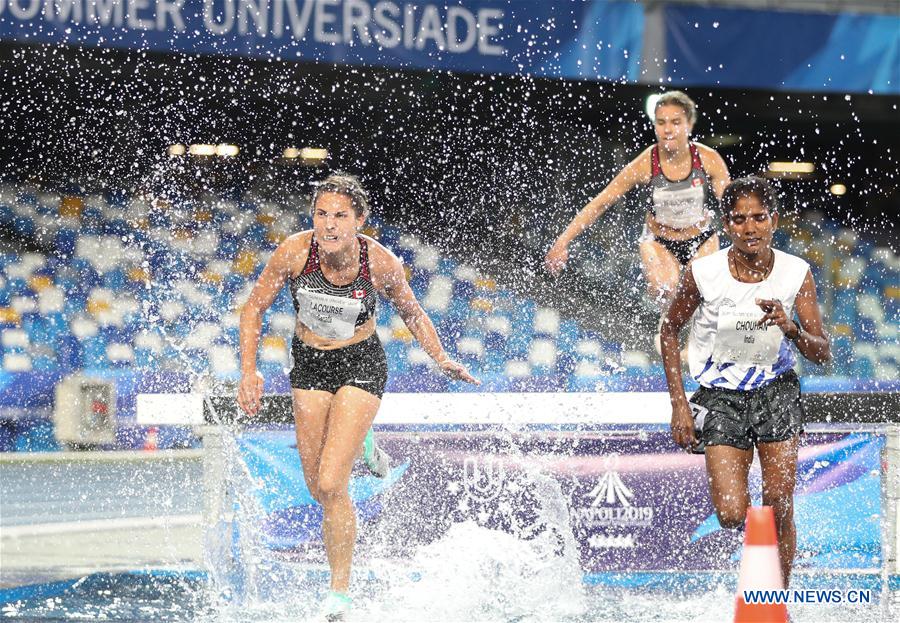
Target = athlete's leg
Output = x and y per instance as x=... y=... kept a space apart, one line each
x=350 y=416
x=710 y=246
x=310 y=419
x=727 y=468
x=661 y=271
x=778 y=461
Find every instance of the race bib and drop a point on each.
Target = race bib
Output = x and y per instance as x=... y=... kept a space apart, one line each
x=332 y=317
x=742 y=338
x=699 y=414
x=679 y=208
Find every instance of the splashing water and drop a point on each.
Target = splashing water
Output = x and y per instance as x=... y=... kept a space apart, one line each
x=478 y=573
x=528 y=570
x=473 y=572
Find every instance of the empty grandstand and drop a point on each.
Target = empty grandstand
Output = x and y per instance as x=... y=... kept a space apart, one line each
x=147 y=291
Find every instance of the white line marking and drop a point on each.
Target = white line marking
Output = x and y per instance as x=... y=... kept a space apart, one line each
x=99 y=525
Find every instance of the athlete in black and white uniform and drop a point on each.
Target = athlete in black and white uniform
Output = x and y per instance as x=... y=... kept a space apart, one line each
x=680 y=205
x=335 y=312
x=685 y=179
x=743 y=301
x=339 y=370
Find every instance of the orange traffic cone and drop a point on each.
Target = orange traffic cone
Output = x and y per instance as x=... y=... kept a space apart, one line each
x=760 y=569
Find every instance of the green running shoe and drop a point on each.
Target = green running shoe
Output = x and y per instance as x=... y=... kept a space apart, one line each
x=335 y=606
x=376 y=459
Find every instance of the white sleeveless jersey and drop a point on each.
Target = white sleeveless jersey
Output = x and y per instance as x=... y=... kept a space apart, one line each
x=728 y=346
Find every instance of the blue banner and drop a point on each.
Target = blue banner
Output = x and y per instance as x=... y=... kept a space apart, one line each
x=595 y=39
x=783 y=50
x=635 y=501
x=590 y=39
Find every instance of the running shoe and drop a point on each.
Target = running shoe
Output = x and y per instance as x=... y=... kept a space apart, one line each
x=376 y=459
x=335 y=607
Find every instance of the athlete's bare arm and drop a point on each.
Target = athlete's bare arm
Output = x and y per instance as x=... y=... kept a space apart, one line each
x=636 y=172
x=684 y=303
x=809 y=336
x=269 y=284
x=390 y=279
x=715 y=168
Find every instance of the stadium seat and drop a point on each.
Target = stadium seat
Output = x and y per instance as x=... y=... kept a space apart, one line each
x=91 y=301
x=470 y=351
x=439 y=294
x=546 y=321
x=120 y=354
x=542 y=356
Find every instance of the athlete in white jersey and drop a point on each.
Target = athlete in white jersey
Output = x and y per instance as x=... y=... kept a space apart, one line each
x=685 y=179
x=340 y=368
x=744 y=301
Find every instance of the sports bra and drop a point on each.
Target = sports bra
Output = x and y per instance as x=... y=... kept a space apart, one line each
x=680 y=204
x=332 y=311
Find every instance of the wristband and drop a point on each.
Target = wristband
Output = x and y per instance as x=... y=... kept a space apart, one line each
x=797 y=337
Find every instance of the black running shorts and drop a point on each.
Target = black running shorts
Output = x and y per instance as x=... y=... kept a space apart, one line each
x=742 y=419
x=361 y=365
x=685 y=250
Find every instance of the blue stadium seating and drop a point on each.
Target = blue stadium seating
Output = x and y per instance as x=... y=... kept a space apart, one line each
x=198 y=269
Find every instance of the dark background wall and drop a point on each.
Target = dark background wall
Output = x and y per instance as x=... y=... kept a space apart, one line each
x=489 y=168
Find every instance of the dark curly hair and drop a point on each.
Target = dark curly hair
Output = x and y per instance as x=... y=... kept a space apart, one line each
x=753 y=185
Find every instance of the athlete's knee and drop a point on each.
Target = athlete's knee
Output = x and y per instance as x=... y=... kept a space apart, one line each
x=731 y=519
x=732 y=514
x=331 y=487
x=313 y=488
x=658 y=288
x=660 y=292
